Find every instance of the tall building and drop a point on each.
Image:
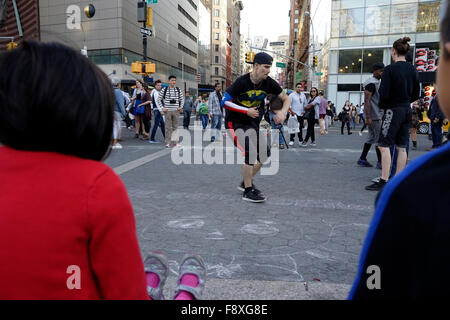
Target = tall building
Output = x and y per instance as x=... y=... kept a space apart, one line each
x=244 y=67
x=219 y=41
x=204 y=44
x=294 y=14
x=234 y=41
x=362 y=33
x=114 y=41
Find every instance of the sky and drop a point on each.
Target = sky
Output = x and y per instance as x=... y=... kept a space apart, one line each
x=268 y=18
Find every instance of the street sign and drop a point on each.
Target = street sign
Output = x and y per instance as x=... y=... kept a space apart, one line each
x=299 y=76
x=149 y=2
x=281 y=65
x=319 y=73
x=147 y=32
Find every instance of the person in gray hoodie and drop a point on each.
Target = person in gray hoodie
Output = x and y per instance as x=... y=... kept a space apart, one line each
x=373 y=114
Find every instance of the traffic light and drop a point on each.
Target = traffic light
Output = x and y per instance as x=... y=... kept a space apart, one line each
x=315 y=61
x=249 y=57
x=149 y=22
x=143 y=68
x=12 y=45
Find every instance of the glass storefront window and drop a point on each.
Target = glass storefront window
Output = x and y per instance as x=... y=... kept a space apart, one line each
x=348 y=4
x=350 y=61
x=428 y=16
x=377 y=2
x=403 y=18
x=351 y=22
x=372 y=56
x=377 y=20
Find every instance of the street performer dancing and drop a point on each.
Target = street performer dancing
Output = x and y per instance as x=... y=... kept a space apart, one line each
x=244 y=103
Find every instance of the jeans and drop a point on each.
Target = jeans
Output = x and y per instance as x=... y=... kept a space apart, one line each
x=277 y=127
x=187 y=118
x=159 y=121
x=353 y=123
x=205 y=119
x=216 y=125
x=436 y=135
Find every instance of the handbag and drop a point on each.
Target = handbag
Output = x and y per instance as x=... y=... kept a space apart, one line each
x=138 y=111
x=293 y=125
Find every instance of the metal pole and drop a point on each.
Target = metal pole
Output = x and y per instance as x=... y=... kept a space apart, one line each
x=19 y=25
x=144 y=42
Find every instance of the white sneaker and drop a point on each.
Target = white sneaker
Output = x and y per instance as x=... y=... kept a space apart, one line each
x=376 y=179
x=291 y=143
x=304 y=144
x=360 y=133
x=313 y=144
x=117 y=146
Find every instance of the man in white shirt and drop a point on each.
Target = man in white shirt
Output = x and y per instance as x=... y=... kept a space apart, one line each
x=298 y=103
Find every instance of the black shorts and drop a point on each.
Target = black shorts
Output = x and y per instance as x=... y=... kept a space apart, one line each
x=395 y=127
x=248 y=139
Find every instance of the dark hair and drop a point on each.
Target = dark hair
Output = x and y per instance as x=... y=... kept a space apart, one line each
x=158 y=82
x=314 y=88
x=275 y=103
x=445 y=30
x=37 y=114
x=217 y=84
x=299 y=84
x=320 y=93
x=402 y=46
x=172 y=77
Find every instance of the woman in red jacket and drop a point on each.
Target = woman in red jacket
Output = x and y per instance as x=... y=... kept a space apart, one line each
x=67 y=228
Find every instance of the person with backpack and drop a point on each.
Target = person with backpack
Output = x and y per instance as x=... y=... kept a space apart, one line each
x=344 y=116
x=157 y=112
x=204 y=113
x=171 y=100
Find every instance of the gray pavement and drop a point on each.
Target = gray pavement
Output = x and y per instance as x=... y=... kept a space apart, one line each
x=303 y=243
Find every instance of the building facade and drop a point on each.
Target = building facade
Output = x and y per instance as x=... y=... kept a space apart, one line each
x=362 y=32
x=27 y=21
x=114 y=41
x=278 y=72
x=234 y=42
x=294 y=19
x=219 y=35
x=204 y=43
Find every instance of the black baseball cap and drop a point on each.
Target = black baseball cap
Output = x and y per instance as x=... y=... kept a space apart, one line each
x=263 y=58
x=377 y=66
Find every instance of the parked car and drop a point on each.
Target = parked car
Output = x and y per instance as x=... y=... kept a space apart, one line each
x=424 y=125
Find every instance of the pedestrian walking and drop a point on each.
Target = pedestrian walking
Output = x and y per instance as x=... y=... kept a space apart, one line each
x=157 y=112
x=245 y=102
x=437 y=118
x=353 y=114
x=119 y=113
x=345 y=118
x=146 y=102
x=373 y=114
x=399 y=88
x=274 y=103
x=328 y=117
x=363 y=119
x=137 y=110
x=311 y=114
x=215 y=111
x=198 y=102
x=171 y=100
x=188 y=109
x=322 y=113
x=415 y=121
x=204 y=113
x=298 y=103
